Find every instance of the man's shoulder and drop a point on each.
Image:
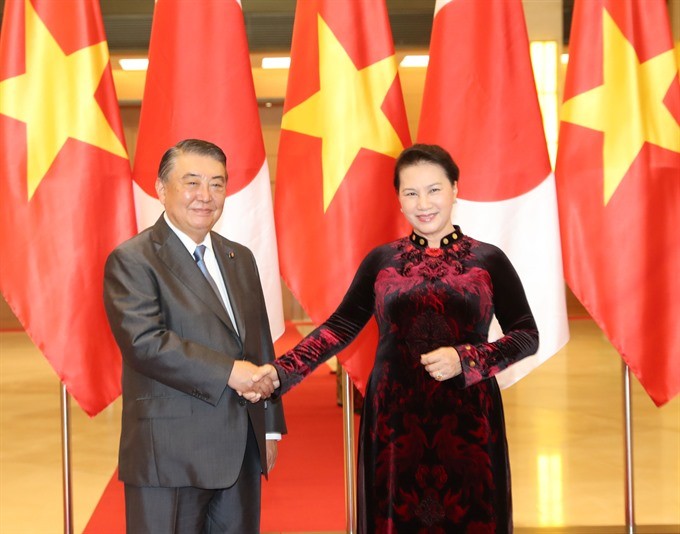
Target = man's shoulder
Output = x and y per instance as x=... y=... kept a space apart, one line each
x=136 y=242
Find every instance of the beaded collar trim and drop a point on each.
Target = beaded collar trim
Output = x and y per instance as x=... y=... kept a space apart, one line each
x=446 y=241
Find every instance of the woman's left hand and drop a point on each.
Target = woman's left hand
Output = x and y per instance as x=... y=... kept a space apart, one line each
x=442 y=363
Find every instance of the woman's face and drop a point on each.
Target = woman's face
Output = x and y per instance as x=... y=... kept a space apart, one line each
x=427 y=197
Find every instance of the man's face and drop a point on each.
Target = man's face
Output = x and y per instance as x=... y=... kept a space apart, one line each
x=194 y=194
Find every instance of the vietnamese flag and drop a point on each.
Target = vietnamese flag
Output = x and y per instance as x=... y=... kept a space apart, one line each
x=200 y=85
x=480 y=104
x=618 y=178
x=344 y=123
x=65 y=186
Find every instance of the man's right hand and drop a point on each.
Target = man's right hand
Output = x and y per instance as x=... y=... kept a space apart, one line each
x=267 y=372
x=242 y=381
x=265 y=375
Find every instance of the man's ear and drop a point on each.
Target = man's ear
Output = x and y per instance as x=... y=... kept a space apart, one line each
x=160 y=190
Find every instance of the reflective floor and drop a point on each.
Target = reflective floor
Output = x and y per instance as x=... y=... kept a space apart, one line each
x=565 y=425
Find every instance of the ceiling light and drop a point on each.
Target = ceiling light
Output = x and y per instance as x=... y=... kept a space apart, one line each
x=137 y=63
x=415 y=61
x=275 y=62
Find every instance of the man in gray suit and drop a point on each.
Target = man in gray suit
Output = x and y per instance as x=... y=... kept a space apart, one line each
x=187 y=311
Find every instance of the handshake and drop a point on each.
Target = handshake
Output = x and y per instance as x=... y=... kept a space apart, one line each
x=251 y=382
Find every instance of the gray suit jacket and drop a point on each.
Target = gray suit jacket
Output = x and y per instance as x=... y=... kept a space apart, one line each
x=182 y=425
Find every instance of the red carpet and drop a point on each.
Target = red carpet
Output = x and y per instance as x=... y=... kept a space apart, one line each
x=305 y=491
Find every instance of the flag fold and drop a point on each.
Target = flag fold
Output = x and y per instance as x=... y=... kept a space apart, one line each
x=344 y=123
x=66 y=187
x=618 y=183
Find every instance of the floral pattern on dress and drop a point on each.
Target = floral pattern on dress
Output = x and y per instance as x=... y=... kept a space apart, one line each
x=432 y=455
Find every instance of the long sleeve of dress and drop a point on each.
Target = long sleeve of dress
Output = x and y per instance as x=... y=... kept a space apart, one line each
x=338 y=331
x=484 y=360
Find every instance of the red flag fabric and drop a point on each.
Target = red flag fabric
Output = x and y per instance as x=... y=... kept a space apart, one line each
x=618 y=178
x=480 y=103
x=66 y=188
x=202 y=87
x=343 y=125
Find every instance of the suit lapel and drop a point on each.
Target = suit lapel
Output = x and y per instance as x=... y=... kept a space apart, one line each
x=230 y=263
x=176 y=257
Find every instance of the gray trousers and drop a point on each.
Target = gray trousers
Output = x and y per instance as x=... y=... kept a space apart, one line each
x=189 y=510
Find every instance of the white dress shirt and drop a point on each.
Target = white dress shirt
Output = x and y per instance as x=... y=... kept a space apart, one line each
x=210 y=262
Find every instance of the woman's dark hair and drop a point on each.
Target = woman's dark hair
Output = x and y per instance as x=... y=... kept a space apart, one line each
x=189 y=146
x=421 y=153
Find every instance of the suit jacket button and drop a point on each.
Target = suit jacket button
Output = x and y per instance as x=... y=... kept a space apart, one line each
x=242 y=402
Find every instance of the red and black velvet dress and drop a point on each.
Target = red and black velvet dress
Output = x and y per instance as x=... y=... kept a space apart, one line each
x=433 y=456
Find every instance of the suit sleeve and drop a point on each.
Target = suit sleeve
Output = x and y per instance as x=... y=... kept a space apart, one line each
x=137 y=314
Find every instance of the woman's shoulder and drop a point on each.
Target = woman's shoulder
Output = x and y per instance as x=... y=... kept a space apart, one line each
x=483 y=247
x=488 y=254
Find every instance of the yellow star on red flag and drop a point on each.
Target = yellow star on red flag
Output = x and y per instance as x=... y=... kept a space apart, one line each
x=55 y=97
x=66 y=186
x=346 y=111
x=629 y=106
x=617 y=170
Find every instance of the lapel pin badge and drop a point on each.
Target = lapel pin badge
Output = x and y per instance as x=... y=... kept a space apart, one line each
x=232 y=255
